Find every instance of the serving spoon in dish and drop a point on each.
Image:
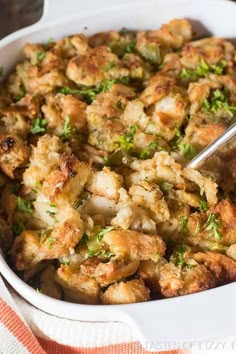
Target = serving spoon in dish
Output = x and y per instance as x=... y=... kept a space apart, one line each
x=206 y=153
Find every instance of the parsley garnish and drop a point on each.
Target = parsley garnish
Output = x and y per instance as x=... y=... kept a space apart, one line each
x=103 y=253
x=39 y=126
x=179 y=258
x=89 y=94
x=165 y=186
x=184 y=222
x=103 y=232
x=203 y=206
x=145 y=153
x=109 y=66
x=213 y=224
x=65 y=263
x=1 y=71
x=67 y=129
x=49 y=41
x=217 y=100
x=18 y=227
x=187 y=150
x=24 y=205
x=126 y=140
x=203 y=69
x=51 y=241
x=39 y=56
x=21 y=95
x=130 y=47
x=83 y=195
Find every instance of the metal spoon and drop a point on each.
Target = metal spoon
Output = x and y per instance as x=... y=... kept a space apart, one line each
x=220 y=142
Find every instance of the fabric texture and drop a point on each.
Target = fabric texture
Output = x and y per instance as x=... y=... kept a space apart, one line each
x=25 y=329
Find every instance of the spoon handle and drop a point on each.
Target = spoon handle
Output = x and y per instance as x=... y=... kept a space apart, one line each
x=220 y=142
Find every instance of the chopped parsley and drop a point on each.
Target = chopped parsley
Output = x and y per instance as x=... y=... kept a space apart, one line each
x=67 y=129
x=106 y=160
x=126 y=140
x=102 y=253
x=130 y=47
x=145 y=153
x=51 y=213
x=39 y=56
x=1 y=71
x=83 y=195
x=203 y=206
x=184 y=222
x=21 y=94
x=187 y=150
x=49 y=41
x=89 y=94
x=165 y=186
x=24 y=205
x=179 y=259
x=18 y=227
x=66 y=263
x=109 y=66
x=103 y=232
x=39 y=126
x=217 y=100
x=51 y=240
x=213 y=224
x=203 y=69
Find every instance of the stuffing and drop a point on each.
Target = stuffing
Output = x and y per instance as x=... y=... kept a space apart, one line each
x=76 y=286
x=126 y=293
x=98 y=205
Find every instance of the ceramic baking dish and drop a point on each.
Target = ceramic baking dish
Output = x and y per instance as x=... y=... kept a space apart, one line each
x=161 y=324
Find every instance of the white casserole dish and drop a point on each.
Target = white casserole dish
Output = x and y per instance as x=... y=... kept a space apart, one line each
x=162 y=324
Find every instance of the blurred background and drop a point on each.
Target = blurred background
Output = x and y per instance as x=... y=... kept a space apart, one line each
x=15 y=14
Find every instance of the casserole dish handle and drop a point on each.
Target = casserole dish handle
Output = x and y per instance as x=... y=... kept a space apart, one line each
x=58 y=9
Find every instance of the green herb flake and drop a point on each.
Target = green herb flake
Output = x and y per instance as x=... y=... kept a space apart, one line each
x=66 y=263
x=126 y=140
x=109 y=66
x=203 y=69
x=39 y=56
x=145 y=153
x=217 y=100
x=89 y=94
x=25 y=205
x=21 y=94
x=51 y=241
x=184 y=222
x=82 y=197
x=67 y=129
x=203 y=206
x=49 y=41
x=51 y=213
x=130 y=47
x=165 y=186
x=102 y=253
x=103 y=232
x=187 y=150
x=18 y=227
x=39 y=126
x=84 y=239
x=213 y=224
x=1 y=71
x=106 y=160
x=179 y=259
